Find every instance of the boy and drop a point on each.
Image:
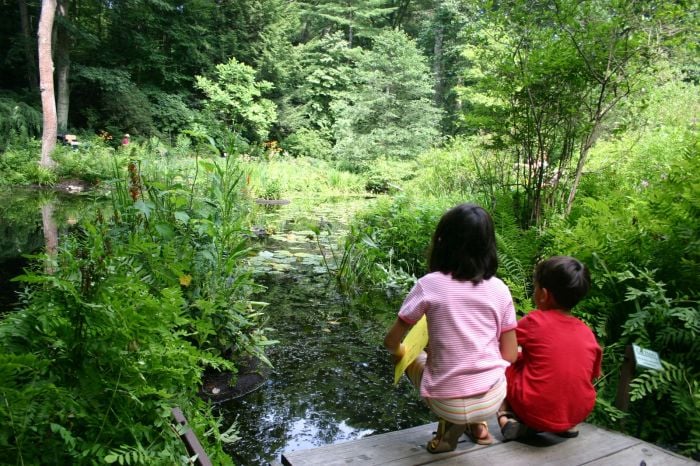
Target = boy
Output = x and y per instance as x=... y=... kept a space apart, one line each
x=550 y=386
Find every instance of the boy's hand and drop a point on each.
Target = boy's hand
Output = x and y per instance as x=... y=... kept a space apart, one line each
x=398 y=354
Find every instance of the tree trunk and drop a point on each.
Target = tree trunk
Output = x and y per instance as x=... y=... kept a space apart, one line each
x=62 y=68
x=437 y=65
x=48 y=102
x=50 y=236
x=29 y=55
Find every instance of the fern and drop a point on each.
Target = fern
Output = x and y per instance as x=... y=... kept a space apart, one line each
x=658 y=383
x=126 y=454
x=17 y=120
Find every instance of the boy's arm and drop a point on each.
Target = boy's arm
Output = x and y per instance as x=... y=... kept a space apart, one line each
x=508 y=344
x=392 y=341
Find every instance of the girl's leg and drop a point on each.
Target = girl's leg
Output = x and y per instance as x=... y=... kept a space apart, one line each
x=414 y=371
x=448 y=433
x=446 y=437
x=471 y=412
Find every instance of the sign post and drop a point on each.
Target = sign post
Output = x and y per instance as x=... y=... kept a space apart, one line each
x=635 y=357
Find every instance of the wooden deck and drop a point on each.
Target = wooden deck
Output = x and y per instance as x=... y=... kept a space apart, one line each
x=594 y=446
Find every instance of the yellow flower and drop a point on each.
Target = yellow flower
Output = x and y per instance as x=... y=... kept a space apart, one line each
x=185 y=280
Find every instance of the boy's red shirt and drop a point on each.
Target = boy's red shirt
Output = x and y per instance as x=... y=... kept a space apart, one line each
x=550 y=386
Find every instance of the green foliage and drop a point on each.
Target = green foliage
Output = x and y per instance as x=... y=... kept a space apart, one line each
x=18 y=121
x=308 y=143
x=161 y=280
x=650 y=134
x=109 y=99
x=388 y=176
x=517 y=250
x=356 y=19
x=235 y=99
x=641 y=243
x=670 y=327
x=20 y=166
x=545 y=92
x=92 y=396
x=322 y=71
x=93 y=162
x=389 y=112
x=309 y=176
x=464 y=168
x=389 y=242
x=171 y=112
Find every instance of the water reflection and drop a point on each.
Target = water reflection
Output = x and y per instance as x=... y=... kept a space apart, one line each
x=329 y=383
x=24 y=214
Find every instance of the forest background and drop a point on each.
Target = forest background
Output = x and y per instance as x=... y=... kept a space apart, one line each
x=573 y=122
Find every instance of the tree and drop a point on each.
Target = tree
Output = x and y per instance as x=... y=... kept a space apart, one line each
x=353 y=17
x=48 y=102
x=323 y=70
x=62 y=46
x=235 y=99
x=549 y=75
x=29 y=54
x=389 y=110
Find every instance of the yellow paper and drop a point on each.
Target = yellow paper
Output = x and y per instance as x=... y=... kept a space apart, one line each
x=415 y=341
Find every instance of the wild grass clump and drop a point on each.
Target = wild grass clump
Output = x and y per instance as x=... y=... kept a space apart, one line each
x=301 y=176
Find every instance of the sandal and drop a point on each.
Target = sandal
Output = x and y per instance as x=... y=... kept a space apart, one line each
x=512 y=429
x=571 y=433
x=446 y=437
x=485 y=439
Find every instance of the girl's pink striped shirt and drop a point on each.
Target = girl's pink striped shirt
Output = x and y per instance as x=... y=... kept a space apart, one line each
x=465 y=323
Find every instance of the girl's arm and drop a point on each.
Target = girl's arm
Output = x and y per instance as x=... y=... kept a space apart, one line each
x=393 y=338
x=508 y=344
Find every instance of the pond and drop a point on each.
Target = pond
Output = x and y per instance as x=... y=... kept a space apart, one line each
x=331 y=380
x=22 y=234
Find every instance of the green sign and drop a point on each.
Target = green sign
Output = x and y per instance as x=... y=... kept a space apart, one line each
x=647 y=359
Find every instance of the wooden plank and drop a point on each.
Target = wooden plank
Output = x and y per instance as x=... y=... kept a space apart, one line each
x=407 y=447
x=547 y=449
x=646 y=452
x=194 y=448
x=398 y=448
x=376 y=449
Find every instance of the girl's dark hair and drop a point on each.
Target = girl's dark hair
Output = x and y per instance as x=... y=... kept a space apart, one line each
x=565 y=277
x=464 y=244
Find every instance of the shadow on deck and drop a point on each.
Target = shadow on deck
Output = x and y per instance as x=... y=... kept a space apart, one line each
x=594 y=446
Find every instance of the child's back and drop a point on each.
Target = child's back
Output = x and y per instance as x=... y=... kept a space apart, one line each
x=550 y=386
x=471 y=328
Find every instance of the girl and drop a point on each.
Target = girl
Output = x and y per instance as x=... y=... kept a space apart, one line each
x=471 y=328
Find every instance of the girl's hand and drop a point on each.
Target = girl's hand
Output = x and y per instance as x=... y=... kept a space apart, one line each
x=398 y=354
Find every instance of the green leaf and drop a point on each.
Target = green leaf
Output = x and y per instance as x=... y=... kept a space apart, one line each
x=182 y=216
x=165 y=231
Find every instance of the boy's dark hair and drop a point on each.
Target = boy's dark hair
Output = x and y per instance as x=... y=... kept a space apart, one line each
x=464 y=244
x=565 y=277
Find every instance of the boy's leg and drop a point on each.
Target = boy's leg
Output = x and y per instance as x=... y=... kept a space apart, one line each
x=571 y=433
x=511 y=427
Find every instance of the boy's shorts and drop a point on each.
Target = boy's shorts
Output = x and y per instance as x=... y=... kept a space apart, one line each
x=468 y=410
